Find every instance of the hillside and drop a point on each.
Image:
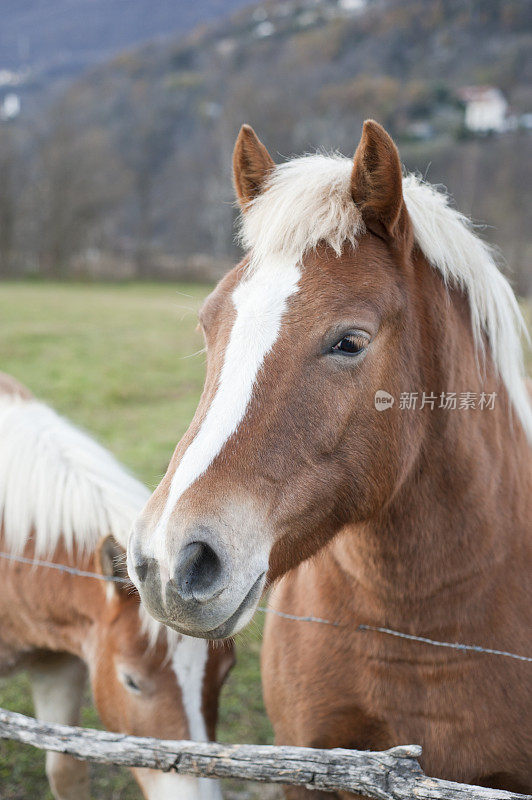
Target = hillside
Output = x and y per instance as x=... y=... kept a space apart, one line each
x=45 y=43
x=304 y=73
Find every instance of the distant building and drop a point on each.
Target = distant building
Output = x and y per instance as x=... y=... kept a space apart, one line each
x=352 y=6
x=9 y=107
x=421 y=129
x=485 y=109
x=8 y=78
x=264 y=29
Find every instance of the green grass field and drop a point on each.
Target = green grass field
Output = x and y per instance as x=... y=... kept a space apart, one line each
x=124 y=362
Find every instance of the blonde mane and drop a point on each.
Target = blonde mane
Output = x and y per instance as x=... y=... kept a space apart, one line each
x=308 y=200
x=58 y=484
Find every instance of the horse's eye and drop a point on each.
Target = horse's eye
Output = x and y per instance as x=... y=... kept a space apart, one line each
x=131 y=684
x=351 y=344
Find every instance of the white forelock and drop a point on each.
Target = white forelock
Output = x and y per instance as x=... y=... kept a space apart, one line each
x=308 y=200
x=305 y=201
x=58 y=484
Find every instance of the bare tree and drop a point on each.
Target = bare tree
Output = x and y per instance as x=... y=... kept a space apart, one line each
x=8 y=199
x=145 y=138
x=80 y=178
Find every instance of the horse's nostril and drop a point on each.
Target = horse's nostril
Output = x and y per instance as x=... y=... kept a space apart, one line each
x=141 y=568
x=199 y=572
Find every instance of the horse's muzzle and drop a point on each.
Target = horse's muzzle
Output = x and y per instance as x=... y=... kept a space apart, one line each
x=200 y=597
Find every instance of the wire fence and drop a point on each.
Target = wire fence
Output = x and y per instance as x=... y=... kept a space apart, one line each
x=388 y=775
x=291 y=617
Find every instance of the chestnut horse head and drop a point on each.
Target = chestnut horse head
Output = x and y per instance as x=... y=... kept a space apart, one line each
x=357 y=281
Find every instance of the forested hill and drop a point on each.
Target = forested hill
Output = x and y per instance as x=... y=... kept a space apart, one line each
x=57 y=39
x=304 y=73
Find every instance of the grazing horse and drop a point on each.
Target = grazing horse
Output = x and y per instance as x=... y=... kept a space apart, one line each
x=60 y=493
x=364 y=400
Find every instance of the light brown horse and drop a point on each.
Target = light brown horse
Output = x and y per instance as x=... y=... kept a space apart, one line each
x=59 y=493
x=364 y=398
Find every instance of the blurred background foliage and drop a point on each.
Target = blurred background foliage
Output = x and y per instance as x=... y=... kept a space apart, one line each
x=121 y=167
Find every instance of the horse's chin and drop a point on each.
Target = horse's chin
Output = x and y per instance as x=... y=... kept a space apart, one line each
x=196 y=619
x=232 y=625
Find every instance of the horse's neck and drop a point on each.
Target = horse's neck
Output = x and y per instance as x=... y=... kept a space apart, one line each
x=457 y=530
x=44 y=608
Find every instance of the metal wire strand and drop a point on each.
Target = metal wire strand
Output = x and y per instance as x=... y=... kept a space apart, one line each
x=295 y=618
x=454 y=645
x=399 y=634
x=35 y=562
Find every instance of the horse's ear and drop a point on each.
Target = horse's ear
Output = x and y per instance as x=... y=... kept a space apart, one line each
x=251 y=165
x=377 y=181
x=111 y=559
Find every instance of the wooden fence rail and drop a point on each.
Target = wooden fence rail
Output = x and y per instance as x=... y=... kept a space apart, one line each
x=388 y=775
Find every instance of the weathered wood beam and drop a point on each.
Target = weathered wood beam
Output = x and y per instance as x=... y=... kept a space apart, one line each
x=388 y=775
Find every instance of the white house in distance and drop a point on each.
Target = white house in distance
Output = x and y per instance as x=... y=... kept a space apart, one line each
x=9 y=107
x=485 y=109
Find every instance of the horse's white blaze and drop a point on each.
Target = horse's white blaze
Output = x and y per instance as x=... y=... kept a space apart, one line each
x=260 y=301
x=168 y=786
x=189 y=660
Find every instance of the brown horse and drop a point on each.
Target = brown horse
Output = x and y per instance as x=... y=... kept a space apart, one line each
x=59 y=492
x=364 y=398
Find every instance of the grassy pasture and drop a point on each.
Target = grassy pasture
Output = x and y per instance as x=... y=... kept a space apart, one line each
x=124 y=362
